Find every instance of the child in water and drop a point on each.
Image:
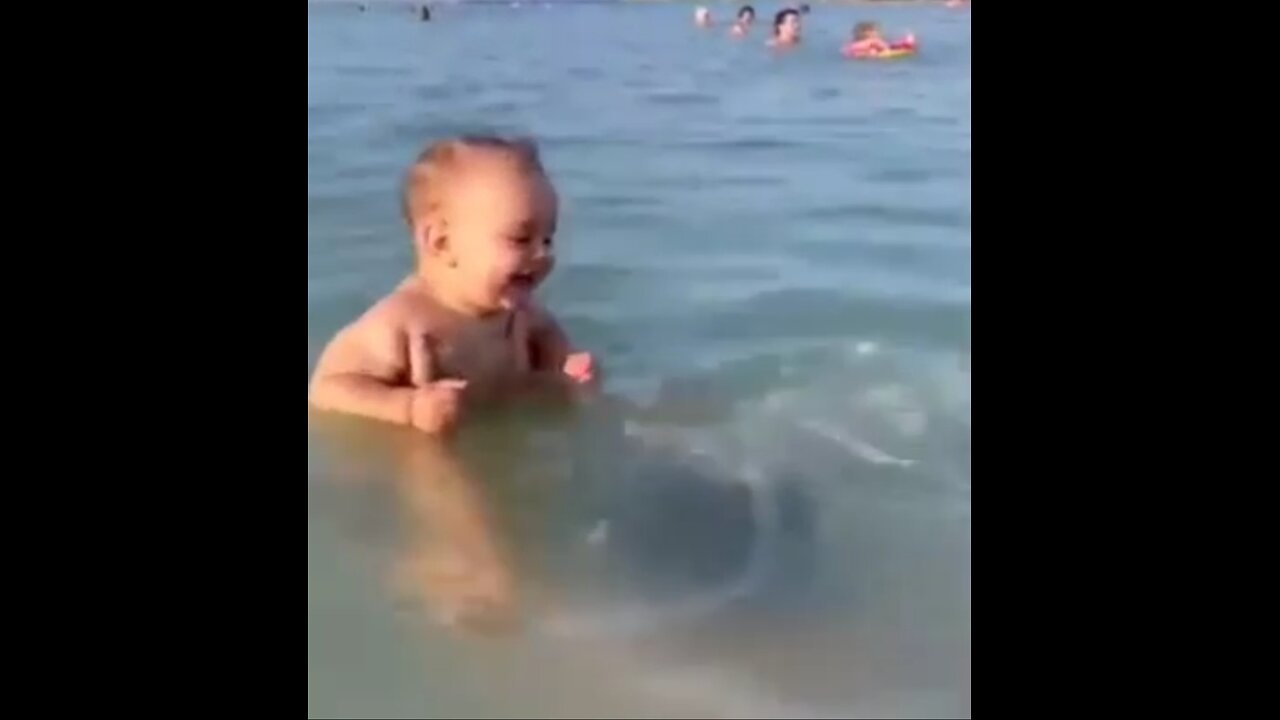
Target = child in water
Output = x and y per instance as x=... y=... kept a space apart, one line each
x=868 y=42
x=786 y=28
x=464 y=327
x=702 y=16
x=746 y=17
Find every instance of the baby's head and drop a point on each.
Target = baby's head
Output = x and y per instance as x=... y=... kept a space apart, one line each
x=866 y=31
x=483 y=214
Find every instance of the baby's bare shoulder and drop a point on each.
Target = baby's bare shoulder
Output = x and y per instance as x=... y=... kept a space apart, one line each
x=410 y=312
x=377 y=341
x=406 y=310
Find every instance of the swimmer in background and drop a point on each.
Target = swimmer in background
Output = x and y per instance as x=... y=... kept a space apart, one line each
x=868 y=42
x=746 y=18
x=702 y=17
x=426 y=14
x=786 y=28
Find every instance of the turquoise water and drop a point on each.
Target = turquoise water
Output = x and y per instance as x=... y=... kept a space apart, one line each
x=771 y=256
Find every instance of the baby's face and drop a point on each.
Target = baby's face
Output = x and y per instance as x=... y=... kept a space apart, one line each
x=500 y=222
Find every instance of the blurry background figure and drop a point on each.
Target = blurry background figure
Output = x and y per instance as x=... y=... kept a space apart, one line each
x=702 y=17
x=426 y=14
x=746 y=16
x=786 y=28
x=804 y=8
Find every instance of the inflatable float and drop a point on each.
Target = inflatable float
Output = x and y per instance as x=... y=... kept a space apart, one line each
x=902 y=48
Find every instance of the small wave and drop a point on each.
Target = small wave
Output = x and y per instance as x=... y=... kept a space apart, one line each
x=740 y=144
x=895 y=214
x=365 y=72
x=857 y=447
x=816 y=313
x=585 y=73
x=681 y=98
x=720 y=694
x=611 y=202
x=903 y=176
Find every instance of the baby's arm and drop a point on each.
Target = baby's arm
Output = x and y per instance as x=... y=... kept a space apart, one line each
x=552 y=352
x=377 y=369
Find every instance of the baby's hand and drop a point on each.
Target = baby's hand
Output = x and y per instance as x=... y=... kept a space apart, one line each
x=435 y=406
x=580 y=367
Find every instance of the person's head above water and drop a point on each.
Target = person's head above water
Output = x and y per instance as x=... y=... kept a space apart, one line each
x=746 y=15
x=702 y=16
x=482 y=213
x=866 y=31
x=786 y=26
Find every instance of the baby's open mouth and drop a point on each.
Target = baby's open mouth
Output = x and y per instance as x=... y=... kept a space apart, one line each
x=524 y=280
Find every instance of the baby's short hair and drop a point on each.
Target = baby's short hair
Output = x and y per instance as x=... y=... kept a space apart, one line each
x=863 y=29
x=431 y=171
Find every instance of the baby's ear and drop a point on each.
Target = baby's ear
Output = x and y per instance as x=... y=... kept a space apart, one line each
x=431 y=239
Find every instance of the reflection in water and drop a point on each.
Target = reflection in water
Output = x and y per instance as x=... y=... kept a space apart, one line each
x=601 y=517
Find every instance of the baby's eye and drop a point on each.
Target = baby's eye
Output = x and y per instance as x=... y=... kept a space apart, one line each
x=521 y=240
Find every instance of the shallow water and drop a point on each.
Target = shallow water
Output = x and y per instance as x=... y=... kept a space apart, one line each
x=771 y=256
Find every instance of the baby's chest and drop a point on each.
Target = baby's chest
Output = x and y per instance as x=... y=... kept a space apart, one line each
x=486 y=361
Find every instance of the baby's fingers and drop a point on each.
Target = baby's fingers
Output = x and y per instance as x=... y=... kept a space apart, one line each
x=450 y=385
x=580 y=366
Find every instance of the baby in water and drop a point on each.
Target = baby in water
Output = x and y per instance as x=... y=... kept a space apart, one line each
x=464 y=328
